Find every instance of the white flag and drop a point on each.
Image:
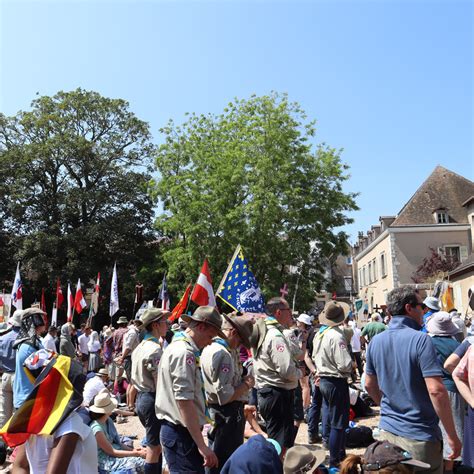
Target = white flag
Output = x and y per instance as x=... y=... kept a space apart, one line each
x=54 y=317
x=114 y=298
x=70 y=302
x=16 y=297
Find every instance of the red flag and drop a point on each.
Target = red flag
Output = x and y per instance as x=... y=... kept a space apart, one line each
x=43 y=301
x=79 y=301
x=203 y=294
x=180 y=308
x=59 y=295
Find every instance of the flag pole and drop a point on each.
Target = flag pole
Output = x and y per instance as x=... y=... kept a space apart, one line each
x=221 y=284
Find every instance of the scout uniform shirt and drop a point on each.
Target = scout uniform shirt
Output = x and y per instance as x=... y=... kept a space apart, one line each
x=145 y=360
x=331 y=354
x=222 y=372
x=180 y=378
x=274 y=365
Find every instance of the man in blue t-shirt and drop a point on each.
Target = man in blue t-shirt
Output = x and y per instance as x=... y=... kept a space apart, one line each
x=405 y=378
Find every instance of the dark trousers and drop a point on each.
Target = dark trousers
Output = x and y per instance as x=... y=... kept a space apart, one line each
x=358 y=361
x=276 y=406
x=180 y=450
x=335 y=392
x=227 y=434
x=314 y=410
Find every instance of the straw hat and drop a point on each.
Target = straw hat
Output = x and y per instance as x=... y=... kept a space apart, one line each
x=103 y=403
x=102 y=372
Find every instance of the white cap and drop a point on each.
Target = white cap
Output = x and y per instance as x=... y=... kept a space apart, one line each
x=305 y=318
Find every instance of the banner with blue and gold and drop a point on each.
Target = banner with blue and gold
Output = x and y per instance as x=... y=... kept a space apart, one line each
x=239 y=288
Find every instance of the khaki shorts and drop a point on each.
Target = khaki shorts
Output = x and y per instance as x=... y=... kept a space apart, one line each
x=430 y=452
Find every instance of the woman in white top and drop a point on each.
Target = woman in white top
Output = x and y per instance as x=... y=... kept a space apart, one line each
x=94 y=352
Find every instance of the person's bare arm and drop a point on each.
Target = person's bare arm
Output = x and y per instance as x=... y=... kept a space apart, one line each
x=464 y=390
x=309 y=362
x=61 y=454
x=439 y=399
x=451 y=362
x=190 y=419
x=372 y=388
x=21 y=465
x=104 y=444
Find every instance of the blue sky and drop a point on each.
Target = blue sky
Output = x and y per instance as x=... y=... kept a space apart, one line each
x=391 y=82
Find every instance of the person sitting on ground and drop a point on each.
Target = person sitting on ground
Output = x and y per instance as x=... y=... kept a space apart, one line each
x=95 y=385
x=111 y=455
x=382 y=457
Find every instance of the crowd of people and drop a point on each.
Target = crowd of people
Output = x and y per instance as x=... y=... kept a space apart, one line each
x=228 y=392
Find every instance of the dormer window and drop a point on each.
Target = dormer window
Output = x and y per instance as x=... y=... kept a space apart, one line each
x=441 y=216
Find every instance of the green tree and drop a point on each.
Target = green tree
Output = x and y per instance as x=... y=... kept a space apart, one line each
x=75 y=189
x=252 y=176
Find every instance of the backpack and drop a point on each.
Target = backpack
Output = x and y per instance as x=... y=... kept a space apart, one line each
x=359 y=437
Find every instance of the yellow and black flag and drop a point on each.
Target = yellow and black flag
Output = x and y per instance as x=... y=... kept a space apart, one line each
x=56 y=393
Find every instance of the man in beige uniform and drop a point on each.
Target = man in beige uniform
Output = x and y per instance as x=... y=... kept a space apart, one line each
x=145 y=359
x=276 y=372
x=180 y=402
x=334 y=365
x=226 y=389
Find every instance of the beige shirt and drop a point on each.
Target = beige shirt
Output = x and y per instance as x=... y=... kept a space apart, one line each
x=222 y=372
x=293 y=343
x=179 y=378
x=274 y=364
x=131 y=339
x=331 y=354
x=145 y=360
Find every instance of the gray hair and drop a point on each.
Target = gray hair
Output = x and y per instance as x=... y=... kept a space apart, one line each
x=399 y=297
x=275 y=303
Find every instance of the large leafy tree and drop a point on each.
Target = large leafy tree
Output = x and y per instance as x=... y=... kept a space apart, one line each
x=75 y=172
x=252 y=176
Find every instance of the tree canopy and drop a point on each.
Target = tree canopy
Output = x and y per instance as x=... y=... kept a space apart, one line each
x=75 y=173
x=252 y=175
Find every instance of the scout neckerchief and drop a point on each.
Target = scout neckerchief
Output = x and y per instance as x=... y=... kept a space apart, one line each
x=181 y=336
x=271 y=321
x=223 y=343
x=322 y=331
x=150 y=337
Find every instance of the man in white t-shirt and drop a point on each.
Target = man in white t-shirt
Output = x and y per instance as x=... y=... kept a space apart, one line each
x=83 y=348
x=356 y=347
x=49 y=341
x=42 y=453
x=94 y=385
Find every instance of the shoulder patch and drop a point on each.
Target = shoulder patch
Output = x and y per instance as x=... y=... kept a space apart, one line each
x=342 y=345
x=190 y=359
x=280 y=346
x=225 y=368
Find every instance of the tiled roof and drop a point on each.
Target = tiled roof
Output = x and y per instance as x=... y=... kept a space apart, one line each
x=442 y=189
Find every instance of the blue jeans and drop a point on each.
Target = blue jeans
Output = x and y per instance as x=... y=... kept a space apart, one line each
x=335 y=392
x=180 y=450
x=314 y=411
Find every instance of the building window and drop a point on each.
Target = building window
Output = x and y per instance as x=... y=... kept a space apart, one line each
x=374 y=269
x=370 y=272
x=452 y=253
x=348 y=260
x=360 y=278
x=442 y=217
x=383 y=265
x=364 y=276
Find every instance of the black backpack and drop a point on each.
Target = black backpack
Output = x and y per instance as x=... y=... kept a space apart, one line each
x=359 y=437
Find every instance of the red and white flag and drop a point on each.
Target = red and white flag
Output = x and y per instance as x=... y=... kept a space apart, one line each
x=203 y=294
x=17 y=298
x=79 y=301
x=70 y=302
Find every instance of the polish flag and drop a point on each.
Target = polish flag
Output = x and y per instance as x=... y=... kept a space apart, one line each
x=17 y=298
x=79 y=301
x=70 y=303
x=203 y=294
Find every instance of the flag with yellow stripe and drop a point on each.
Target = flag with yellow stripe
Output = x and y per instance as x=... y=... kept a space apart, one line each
x=56 y=393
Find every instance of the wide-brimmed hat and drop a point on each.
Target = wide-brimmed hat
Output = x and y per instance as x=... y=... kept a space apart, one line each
x=382 y=453
x=305 y=319
x=441 y=324
x=15 y=319
x=122 y=320
x=432 y=303
x=303 y=459
x=333 y=313
x=153 y=314
x=108 y=332
x=103 y=403
x=208 y=315
x=242 y=325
